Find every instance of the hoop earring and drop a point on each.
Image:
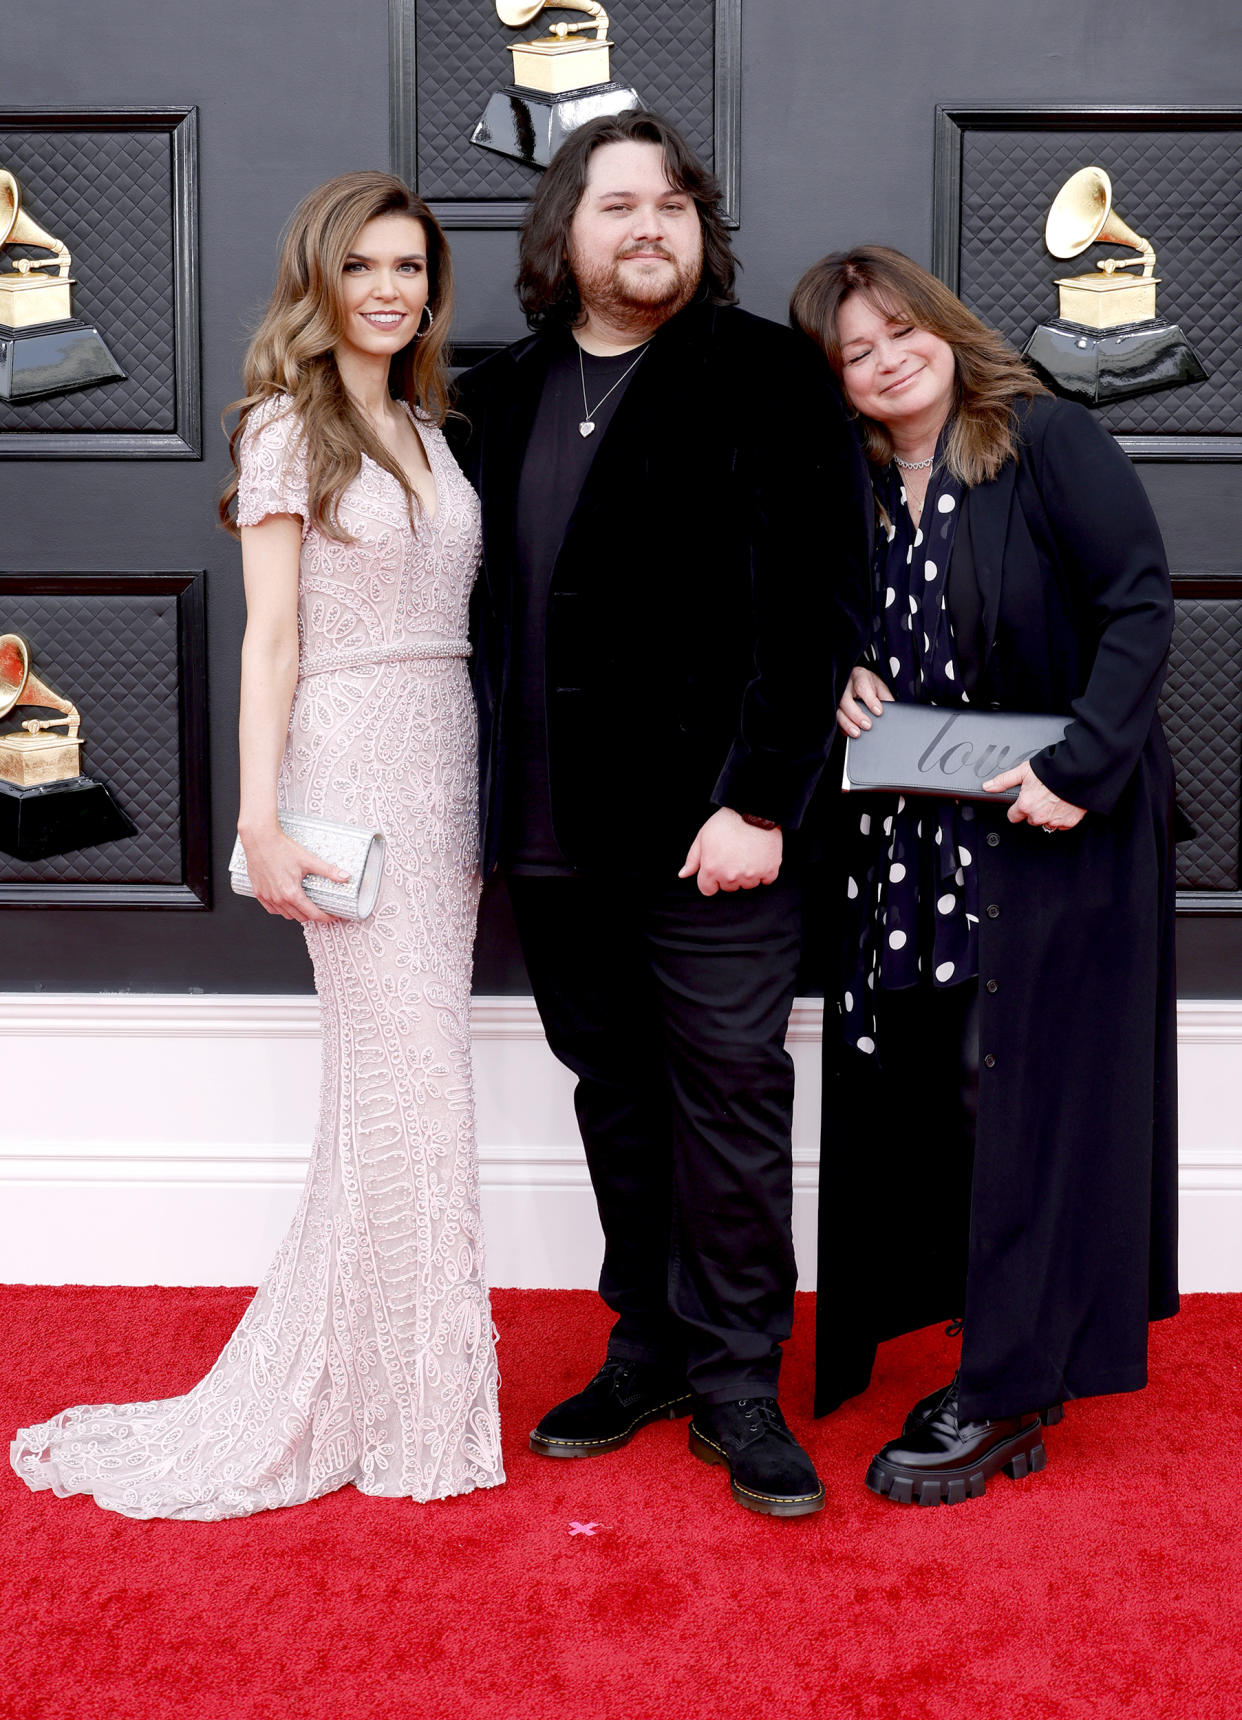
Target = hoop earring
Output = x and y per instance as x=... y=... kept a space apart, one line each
x=431 y=323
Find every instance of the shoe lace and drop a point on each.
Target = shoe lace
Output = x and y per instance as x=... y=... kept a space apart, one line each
x=945 y=1416
x=762 y=1413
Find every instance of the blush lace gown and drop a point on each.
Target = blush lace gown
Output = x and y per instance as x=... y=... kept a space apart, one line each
x=367 y=1353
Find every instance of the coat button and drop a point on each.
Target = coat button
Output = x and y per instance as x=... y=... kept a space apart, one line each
x=992 y=985
x=993 y=911
x=989 y=1062
x=993 y=839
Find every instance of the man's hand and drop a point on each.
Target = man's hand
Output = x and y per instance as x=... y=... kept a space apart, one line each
x=729 y=854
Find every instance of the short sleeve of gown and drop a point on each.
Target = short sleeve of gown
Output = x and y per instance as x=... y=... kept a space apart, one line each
x=272 y=478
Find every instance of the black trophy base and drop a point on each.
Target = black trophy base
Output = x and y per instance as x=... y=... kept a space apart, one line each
x=58 y=818
x=53 y=358
x=1097 y=366
x=530 y=126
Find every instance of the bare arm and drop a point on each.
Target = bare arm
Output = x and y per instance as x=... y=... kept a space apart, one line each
x=271 y=552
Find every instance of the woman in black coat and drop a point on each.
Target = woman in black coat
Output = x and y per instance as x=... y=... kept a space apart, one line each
x=1000 y=1101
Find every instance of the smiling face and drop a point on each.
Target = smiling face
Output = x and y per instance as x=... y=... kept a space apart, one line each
x=635 y=243
x=892 y=371
x=383 y=286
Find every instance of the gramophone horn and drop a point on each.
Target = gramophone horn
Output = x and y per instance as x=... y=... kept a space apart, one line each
x=14 y=670
x=19 y=687
x=17 y=228
x=518 y=12
x=1083 y=212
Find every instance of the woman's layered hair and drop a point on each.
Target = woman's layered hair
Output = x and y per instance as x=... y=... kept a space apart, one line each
x=545 y=284
x=989 y=375
x=292 y=349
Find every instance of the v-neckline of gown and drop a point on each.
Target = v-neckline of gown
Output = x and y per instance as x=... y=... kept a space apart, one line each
x=429 y=518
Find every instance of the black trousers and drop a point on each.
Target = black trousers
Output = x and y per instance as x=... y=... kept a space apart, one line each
x=896 y=1162
x=671 y=1009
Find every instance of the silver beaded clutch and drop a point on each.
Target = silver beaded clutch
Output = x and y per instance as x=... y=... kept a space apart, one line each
x=356 y=851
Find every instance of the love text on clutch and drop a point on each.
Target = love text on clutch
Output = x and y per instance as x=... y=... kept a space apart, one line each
x=981 y=761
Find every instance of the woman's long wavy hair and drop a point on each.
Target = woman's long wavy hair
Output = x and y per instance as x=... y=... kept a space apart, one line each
x=292 y=349
x=546 y=286
x=989 y=374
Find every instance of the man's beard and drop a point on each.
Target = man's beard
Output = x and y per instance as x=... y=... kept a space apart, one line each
x=637 y=304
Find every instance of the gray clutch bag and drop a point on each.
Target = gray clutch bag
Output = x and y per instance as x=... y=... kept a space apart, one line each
x=358 y=852
x=930 y=749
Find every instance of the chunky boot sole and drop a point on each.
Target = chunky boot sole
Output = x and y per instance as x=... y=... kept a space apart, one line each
x=1054 y=1413
x=544 y=1445
x=1024 y=1454
x=767 y=1504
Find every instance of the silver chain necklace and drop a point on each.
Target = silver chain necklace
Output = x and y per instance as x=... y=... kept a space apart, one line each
x=587 y=426
x=914 y=465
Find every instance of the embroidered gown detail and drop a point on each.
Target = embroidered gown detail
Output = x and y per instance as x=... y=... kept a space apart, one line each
x=367 y=1353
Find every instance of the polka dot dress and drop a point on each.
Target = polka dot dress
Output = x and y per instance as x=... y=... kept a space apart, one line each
x=912 y=890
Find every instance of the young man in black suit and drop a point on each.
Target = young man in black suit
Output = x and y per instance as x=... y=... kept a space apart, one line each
x=674 y=590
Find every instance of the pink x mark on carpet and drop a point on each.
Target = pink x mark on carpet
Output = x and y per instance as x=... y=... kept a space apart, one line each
x=584 y=1528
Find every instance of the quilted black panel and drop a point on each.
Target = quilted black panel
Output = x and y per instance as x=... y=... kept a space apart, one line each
x=116 y=658
x=108 y=196
x=1202 y=710
x=1178 y=188
x=664 y=52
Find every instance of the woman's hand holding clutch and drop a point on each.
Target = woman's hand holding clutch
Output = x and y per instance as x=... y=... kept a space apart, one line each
x=277 y=866
x=1035 y=804
x=864 y=692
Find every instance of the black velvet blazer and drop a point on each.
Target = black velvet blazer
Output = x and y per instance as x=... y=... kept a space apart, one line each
x=709 y=598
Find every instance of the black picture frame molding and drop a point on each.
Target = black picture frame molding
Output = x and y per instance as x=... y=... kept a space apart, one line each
x=185 y=442
x=510 y=212
x=194 y=889
x=952 y=123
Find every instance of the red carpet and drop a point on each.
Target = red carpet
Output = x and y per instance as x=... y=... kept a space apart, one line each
x=1108 y=1587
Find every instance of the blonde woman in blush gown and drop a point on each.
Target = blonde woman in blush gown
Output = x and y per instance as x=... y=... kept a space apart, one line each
x=366 y=1356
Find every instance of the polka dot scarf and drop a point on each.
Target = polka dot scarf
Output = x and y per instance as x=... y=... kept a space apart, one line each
x=912 y=888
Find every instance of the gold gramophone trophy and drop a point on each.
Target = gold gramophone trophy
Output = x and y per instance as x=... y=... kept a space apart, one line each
x=46 y=805
x=44 y=348
x=1108 y=343
x=560 y=81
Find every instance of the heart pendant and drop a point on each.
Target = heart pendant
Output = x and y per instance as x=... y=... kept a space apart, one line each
x=586 y=427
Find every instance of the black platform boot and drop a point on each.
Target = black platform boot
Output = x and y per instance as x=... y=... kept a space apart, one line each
x=941 y=1460
x=927 y=1407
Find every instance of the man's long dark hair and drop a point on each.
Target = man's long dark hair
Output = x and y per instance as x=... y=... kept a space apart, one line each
x=545 y=283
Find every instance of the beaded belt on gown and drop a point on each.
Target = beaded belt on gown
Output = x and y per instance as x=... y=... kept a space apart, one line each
x=398 y=651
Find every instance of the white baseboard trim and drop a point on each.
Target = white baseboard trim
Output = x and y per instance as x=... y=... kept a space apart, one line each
x=147 y=1015
x=173 y=1150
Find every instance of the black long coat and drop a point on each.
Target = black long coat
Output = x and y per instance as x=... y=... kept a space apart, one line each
x=1072 y=1245
x=709 y=598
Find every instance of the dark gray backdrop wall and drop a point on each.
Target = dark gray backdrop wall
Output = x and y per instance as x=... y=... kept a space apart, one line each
x=837 y=131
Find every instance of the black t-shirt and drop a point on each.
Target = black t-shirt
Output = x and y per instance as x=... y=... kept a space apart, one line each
x=558 y=458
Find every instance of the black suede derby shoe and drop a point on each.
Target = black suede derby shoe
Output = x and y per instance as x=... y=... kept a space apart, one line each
x=940 y=1460
x=926 y=1407
x=768 y=1469
x=622 y=1397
